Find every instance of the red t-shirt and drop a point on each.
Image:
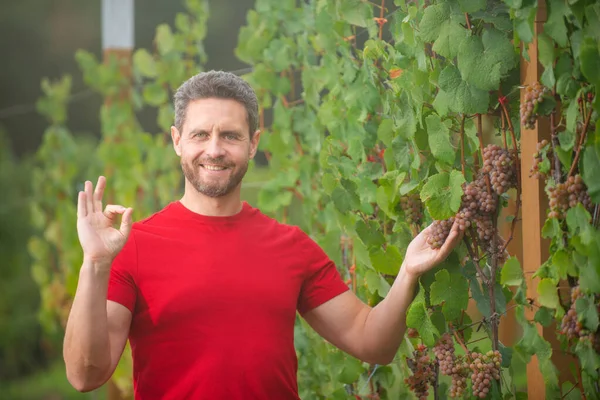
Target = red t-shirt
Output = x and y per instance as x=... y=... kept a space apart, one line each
x=214 y=302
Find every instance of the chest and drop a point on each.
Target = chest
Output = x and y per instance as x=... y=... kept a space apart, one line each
x=222 y=279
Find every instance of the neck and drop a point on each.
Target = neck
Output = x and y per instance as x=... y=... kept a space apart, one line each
x=223 y=206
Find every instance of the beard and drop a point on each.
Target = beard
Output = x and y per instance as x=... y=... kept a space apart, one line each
x=216 y=187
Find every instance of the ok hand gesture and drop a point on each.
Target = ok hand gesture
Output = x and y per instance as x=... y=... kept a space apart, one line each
x=100 y=241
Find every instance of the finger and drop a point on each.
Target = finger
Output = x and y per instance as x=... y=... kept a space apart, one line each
x=81 y=205
x=89 y=196
x=126 y=222
x=99 y=192
x=454 y=237
x=112 y=210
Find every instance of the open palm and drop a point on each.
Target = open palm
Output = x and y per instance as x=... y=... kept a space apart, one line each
x=420 y=257
x=99 y=239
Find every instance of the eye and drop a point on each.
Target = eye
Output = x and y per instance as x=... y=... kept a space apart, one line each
x=200 y=135
x=231 y=136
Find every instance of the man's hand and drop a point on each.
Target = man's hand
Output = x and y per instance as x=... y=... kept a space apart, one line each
x=100 y=241
x=420 y=257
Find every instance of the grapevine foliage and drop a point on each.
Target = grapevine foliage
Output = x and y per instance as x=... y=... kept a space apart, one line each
x=414 y=115
x=381 y=119
x=140 y=166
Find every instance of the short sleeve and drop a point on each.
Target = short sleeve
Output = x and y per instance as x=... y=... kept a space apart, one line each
x=121 y=285
x=322 y=280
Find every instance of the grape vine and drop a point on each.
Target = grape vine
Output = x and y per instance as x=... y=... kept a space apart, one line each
x=383 y=118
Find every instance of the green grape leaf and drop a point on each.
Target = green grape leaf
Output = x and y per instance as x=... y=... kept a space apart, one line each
x=418 y=318
x=165 y=117
x=401 y=151
x=484 y=61
x=439 y=139
x=451 y=37
x=451 y=290
x=386 y=262
x=589 y=277
x=546 y=53
x=442 y=194
x=578 y=221
x=511 y=274
x=351 y=370
x=433 y=18
x=555 y=25
x=589 y=358
x=548 y=296
x=377 y=283
x=155 y=94
x=587 y=313
x=370 y=234
x=551 y=228
x=385 y=132
x=591 y=166
x=544 y=316
x=144 y=63
x=356 y=12
x=343 y=200
x=164 y=38
x=471 y=6
x=460 y=96
x=563 y=264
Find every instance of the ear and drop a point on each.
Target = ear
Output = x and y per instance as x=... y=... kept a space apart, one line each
x=176 y=136
x=254 y=143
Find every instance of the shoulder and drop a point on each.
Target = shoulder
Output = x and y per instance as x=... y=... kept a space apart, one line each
x=156 y=218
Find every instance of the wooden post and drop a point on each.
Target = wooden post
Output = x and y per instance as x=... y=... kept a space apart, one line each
x=117 y=42
x=535 y=205
x=118 y=32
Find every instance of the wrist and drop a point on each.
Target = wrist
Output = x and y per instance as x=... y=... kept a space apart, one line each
x=98 y=265
x=409 y=277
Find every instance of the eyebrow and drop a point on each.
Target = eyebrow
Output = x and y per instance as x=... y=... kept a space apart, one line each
x=222 y=133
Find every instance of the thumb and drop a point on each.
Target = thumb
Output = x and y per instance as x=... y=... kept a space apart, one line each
x=126 y=222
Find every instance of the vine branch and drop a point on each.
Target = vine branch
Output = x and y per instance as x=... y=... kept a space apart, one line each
x=581 y=142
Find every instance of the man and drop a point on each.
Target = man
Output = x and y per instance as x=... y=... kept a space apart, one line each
x=207 y=289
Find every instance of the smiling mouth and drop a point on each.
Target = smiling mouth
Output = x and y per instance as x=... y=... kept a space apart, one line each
x=213 y=167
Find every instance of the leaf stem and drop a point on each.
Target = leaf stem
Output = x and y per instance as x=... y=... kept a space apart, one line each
x=570 y=390
x=381 y=19
x=579 y=373
x=474 y=259
x=462 y=344
x=468 y=21
x=462 y=144
x=581 y=142
x=480 y=137
x=514 y=141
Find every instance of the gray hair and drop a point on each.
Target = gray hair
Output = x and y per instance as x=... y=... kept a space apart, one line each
x=216 y=84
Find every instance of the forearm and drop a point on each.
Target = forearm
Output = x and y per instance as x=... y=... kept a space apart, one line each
x=385 y=323
x=86 y=346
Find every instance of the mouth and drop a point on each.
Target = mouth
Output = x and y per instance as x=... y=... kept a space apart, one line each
x=216 y=168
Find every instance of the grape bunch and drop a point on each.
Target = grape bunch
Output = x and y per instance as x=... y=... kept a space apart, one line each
x=498 y=163
x=423 y=371
x=567 y=195
x=476 y=197
x=412 y=207
x=439 y=232
x=541 y=152
x=451 y=365
x=570 y=326
x=444 y=352
x=484 y=368
x=534 y=95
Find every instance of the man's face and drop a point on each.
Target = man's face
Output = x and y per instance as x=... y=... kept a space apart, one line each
x=215 y=145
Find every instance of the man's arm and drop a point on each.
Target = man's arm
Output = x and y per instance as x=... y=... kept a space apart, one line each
x=96 y=331
x=373 y=334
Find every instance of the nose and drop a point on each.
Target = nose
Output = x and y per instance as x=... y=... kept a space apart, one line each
x=215 y=148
